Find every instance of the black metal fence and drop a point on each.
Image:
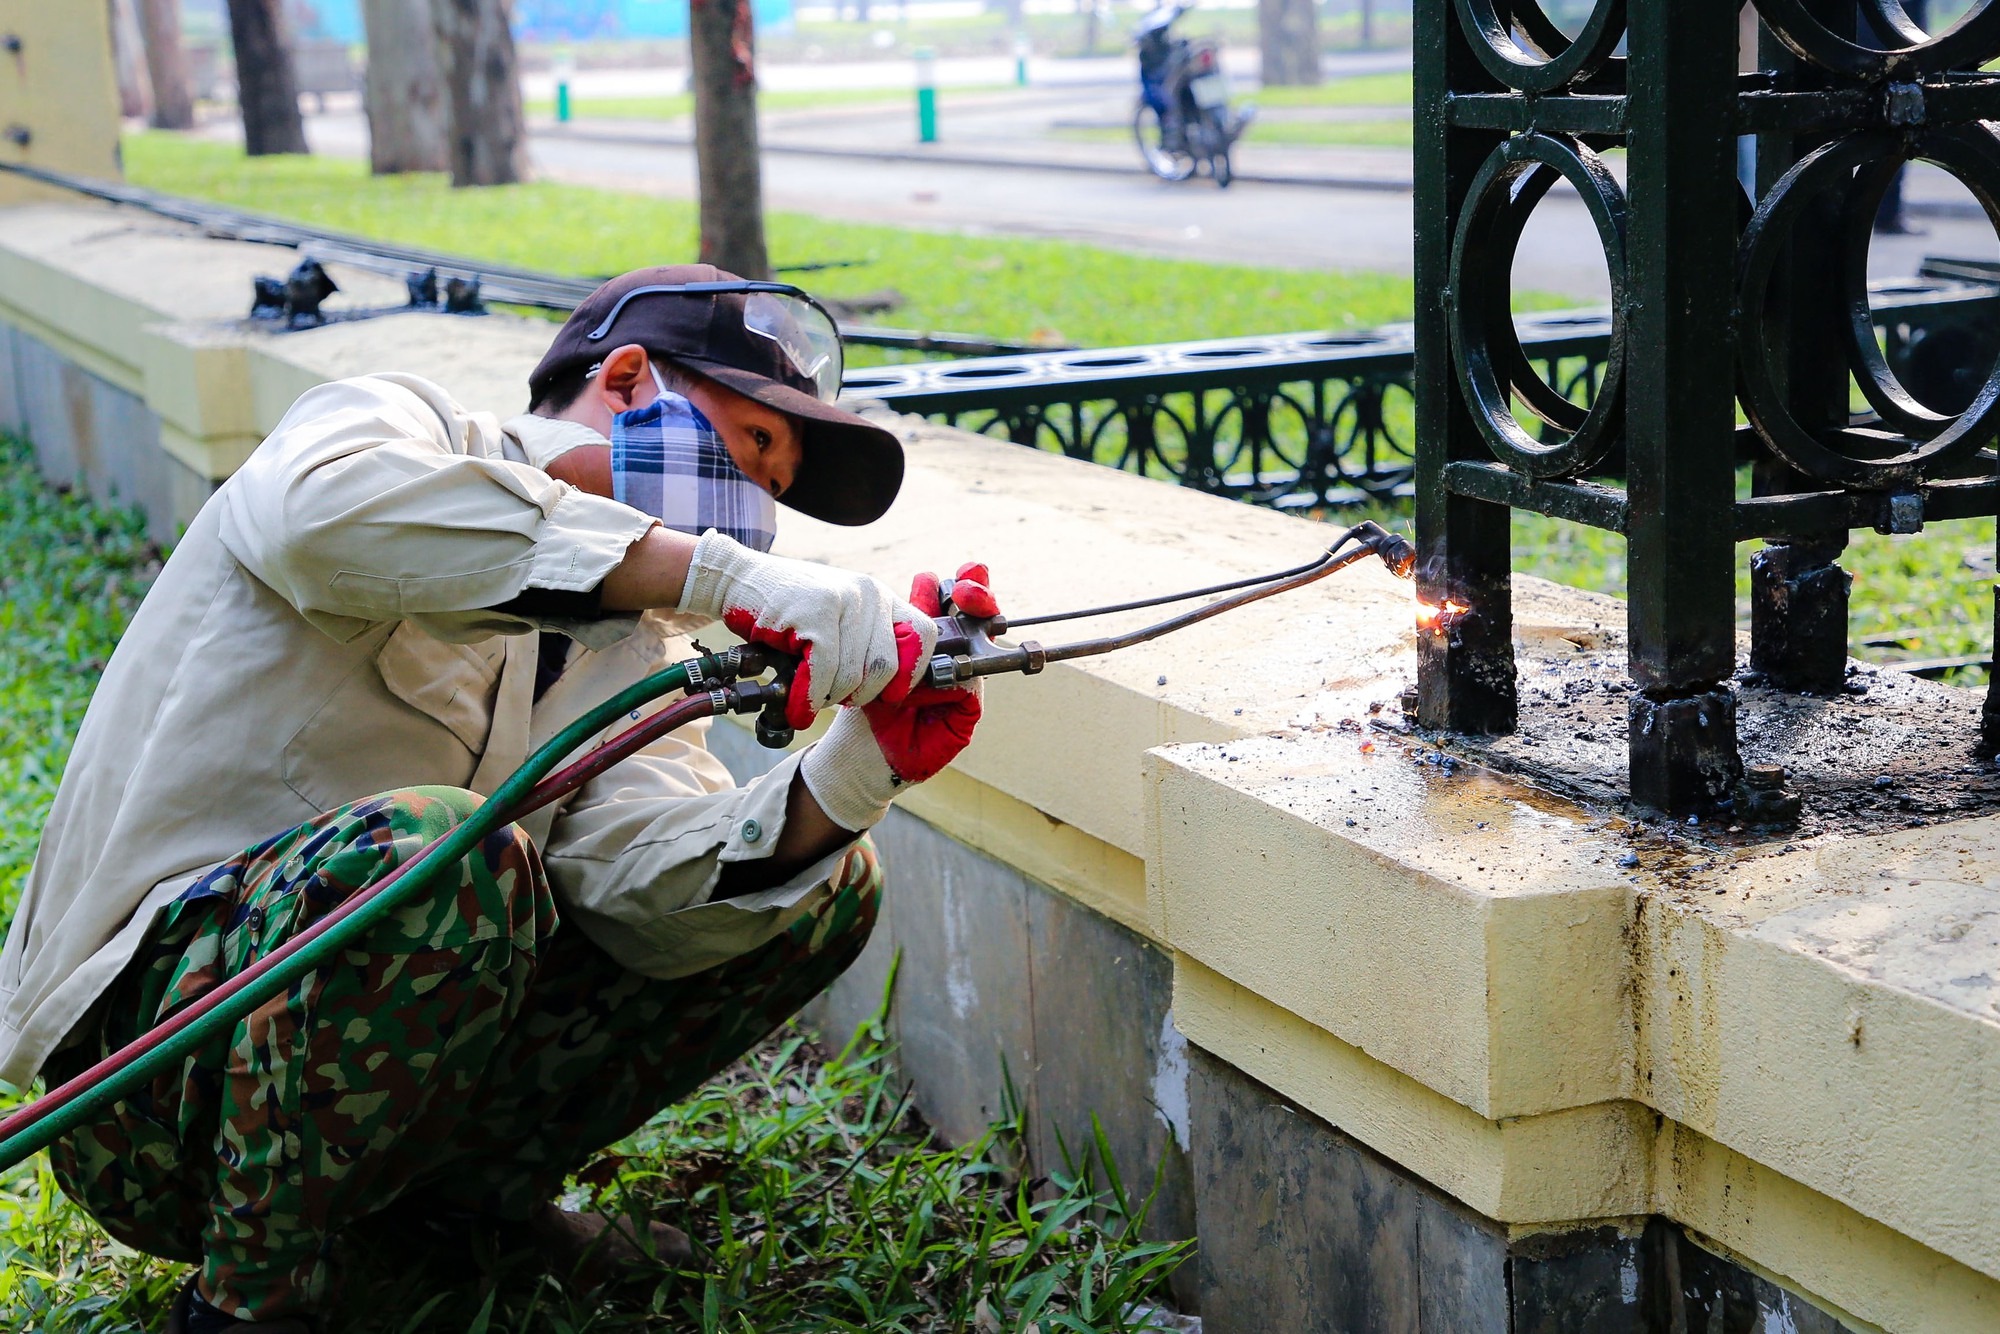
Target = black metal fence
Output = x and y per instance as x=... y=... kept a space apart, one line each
x=1324 y=419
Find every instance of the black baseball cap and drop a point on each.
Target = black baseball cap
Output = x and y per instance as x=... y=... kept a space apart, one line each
x=767 y=341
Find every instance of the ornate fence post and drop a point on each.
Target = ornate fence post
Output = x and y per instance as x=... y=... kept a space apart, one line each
x=1798 y=592
x=1465 y=679
x=1680 y=406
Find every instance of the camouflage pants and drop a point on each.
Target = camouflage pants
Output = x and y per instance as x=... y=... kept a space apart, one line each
x=465 y=1046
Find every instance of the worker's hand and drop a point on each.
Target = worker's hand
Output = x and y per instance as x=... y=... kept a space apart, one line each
x=855 y=640
x=873 y=752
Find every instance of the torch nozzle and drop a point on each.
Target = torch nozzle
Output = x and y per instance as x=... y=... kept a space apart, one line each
x=1397 y=552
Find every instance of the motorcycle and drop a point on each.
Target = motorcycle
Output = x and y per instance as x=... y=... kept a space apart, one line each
x=1183 y=122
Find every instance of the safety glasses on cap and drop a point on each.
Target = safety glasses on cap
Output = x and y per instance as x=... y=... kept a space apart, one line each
x=785 y=316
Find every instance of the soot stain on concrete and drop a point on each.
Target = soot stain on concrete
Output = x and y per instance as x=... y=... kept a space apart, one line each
x=1890 y=751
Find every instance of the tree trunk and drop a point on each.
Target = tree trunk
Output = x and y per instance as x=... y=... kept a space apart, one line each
x=167 y=64
x=721 y=44
x=1367 y=23
x=267 y=87
x=488 y=143
x=404 y=96
x=1288 y=36
x=128 y=59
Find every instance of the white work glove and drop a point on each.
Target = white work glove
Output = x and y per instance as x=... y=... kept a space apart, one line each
x=855 y=640
x=847 y=774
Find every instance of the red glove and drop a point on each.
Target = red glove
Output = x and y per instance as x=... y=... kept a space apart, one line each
x=925 y=730
x=872 y=753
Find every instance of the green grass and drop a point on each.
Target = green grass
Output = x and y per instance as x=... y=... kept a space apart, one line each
x=1931 y=592
x=1360 y=90
x=1020 y=289
x=71 y=575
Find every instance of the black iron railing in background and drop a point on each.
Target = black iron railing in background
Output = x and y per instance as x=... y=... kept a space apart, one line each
x=1320 y=418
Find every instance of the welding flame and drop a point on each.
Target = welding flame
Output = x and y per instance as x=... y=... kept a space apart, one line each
x=1433 y=616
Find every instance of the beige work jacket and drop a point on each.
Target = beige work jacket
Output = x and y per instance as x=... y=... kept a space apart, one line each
x=324 y=632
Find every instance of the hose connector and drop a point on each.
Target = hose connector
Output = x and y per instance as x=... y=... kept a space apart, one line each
x=1397 y=552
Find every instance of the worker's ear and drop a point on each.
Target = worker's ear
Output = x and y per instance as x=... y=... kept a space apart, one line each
x=623 y=378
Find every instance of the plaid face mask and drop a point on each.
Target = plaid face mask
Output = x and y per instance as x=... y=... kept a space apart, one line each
x=669 y=462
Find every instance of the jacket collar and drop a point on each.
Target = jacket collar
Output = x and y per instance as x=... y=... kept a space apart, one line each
x=543 y=440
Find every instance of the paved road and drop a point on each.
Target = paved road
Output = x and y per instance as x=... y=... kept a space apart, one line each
x=1283 y=225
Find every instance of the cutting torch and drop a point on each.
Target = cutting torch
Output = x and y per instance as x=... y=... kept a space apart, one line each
x=745 y=679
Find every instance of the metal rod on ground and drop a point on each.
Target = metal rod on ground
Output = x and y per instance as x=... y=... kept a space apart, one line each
x=497 y=282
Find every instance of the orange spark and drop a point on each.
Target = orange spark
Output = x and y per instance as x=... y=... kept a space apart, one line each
x=1439 y=616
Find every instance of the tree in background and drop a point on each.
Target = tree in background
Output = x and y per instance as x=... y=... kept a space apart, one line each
x=128 y=61
x=167 y=64
x=404 y=96
x=721 y=47
x=267 y=86
x=487 y=140
x=1288 y=39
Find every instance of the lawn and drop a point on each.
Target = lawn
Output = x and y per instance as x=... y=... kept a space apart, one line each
x=1916 y=596
x=1359 y=90
x=1003 y=287
x=1394 y=133
x=819 y=1201
x=71 y=575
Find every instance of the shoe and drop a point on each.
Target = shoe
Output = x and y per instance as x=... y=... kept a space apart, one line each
x=601 y=1249
x=182 y=1318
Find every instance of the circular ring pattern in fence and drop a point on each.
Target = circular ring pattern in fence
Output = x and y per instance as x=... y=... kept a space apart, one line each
x=1860 y=167
x=1492 y=368
x=1523 y=48
x=1970 y=42
x=1367 y=436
